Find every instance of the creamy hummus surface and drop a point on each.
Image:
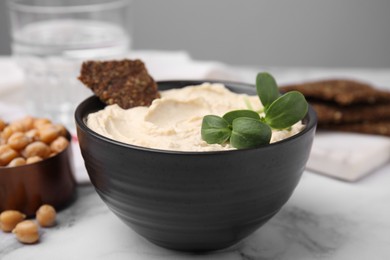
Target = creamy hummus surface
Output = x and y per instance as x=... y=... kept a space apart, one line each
x=173 y=122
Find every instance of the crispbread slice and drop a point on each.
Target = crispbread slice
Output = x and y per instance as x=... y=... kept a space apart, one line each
x=368 y=127
x=330 y=113
x=341 y=91
x=125 y=82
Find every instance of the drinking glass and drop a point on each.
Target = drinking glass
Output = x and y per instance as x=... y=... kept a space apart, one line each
x=50 y=40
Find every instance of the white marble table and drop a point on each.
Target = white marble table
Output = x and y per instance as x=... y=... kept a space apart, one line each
x=325 y=218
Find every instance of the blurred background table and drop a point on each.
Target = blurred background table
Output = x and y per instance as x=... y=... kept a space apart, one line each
x=325 y=219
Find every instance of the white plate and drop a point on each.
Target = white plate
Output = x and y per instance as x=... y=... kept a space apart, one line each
x=348 y=156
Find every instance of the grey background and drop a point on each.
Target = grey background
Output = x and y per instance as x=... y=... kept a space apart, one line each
x=332 y=33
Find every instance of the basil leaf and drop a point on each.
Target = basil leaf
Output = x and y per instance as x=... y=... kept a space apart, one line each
x=249 y=132
x=215 y=130
x=230 y=116
x=286 y=110
x=267 y=89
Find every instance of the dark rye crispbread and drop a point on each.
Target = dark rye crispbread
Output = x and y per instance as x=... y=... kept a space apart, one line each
x=347 y=105
x=124 y=82
x=329 y=113
x=341 y=91
x=368 y=127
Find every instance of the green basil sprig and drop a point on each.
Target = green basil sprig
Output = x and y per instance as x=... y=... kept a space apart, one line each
x=246 y=128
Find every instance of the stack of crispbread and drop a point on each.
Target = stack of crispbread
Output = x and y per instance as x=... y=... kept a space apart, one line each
x=347 y=105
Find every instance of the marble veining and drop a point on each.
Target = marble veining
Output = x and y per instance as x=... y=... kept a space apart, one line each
x=303 y=229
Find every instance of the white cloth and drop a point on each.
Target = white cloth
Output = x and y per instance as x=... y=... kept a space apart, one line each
x=11 y=77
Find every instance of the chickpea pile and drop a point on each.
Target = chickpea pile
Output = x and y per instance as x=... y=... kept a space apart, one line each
x=30 y=140
x=27 y=231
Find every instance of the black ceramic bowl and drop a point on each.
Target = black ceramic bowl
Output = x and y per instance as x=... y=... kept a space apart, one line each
x=193 y=201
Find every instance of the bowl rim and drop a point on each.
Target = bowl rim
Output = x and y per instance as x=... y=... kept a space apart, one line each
x=80 y=119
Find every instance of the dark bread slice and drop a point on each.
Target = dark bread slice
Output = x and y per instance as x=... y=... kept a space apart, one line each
x=328 y=113
x=125 y=82
x=340 y=91
x=368 y=127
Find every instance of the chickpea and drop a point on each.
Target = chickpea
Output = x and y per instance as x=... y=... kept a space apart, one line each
x=7 y=154
x=34 y=139
x=59 y=144
x=37 y=148
x=9 y=219
x=18 y=161
x=46 y=215
x=48 y=134
x=27 y=123
x=6 y=133
x=41 y=122
x=33 y=159
x=61 y=129
x=27 y=232
x=22 y=125
x=18 y=140
x=33 y=134
x=16 y=126
x=2 y=125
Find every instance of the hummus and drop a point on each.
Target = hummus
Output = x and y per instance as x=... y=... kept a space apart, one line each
x=173 y=122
